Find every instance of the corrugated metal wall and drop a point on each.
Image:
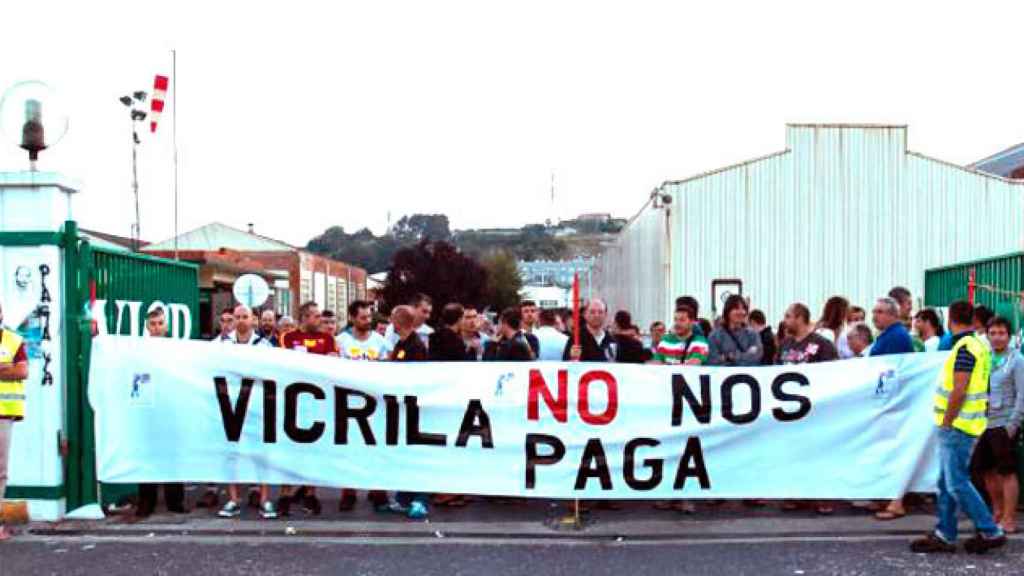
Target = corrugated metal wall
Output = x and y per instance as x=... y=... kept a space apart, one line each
x=844 y=210
x=631 y=273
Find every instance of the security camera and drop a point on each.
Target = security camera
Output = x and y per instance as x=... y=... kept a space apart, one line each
x=666 y=199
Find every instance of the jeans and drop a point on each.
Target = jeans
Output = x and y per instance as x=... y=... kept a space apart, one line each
x=955 y=488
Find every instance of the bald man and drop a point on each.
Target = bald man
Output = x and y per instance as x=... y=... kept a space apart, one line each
x=596 y=344
x=245 y=334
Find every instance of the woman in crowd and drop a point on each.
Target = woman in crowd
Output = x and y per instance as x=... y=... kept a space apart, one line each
x=734 y=343
x=832 y=324
x=995 y=457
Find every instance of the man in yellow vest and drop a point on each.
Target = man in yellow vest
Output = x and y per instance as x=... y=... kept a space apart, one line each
x=961 y=401
x=13 y=372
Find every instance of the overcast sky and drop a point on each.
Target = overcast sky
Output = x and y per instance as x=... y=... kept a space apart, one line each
x=297 y=117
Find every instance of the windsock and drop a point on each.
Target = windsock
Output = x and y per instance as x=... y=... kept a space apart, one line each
x=156 y=103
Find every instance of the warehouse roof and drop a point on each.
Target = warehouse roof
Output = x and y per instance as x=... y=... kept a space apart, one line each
x=215 y=236
x=1003 y=163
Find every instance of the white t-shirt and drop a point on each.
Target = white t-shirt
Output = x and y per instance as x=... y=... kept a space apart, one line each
x=842 y=345
x=254 y=340
x=375 y=347
x=932 y=344
x=552 y=343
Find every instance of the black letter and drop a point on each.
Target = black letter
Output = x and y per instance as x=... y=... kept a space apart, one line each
x=593 y=465
x=693 y=452
x=680 y=389
x=233 y=418
x=269 y=411
x=533 y=459
x=342 y=412
x=755 y=399
x=391 y=420
x=291 y=413
x=413 y=436
x=474 y=412
x=629 y=471
x=804 y=402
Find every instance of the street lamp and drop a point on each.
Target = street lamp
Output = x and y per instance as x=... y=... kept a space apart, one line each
x=137 y=115
x=33 y=118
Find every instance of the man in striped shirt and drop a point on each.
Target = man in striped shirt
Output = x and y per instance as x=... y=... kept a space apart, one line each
x=683 y=345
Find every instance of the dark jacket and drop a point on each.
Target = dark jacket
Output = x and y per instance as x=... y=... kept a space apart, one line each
x=768 y=347
x=447 y=346
x=630 y=350
x=514 y=349
x=740 y=348
x=410 y=350
x=533 y=342
x=593 y=351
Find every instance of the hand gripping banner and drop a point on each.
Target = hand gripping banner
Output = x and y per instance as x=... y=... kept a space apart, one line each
x=188 y=411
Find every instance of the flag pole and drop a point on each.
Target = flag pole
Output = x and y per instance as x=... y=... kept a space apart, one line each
x=576 y=342
x=174 y=139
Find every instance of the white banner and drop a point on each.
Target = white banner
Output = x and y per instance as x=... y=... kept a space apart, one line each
x=192 y=411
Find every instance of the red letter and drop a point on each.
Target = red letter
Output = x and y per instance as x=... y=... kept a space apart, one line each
x=584 y=398
x=539 y=387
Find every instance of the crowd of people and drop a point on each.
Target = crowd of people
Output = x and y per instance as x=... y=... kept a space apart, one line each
x=739 y=337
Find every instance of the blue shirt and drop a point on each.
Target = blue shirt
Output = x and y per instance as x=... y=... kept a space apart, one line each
x=946 y=342
x=893 y=340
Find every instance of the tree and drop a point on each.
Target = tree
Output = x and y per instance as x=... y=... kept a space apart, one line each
x=437 y=269
x=363 y=249
x=412 y=229
x=503 y=280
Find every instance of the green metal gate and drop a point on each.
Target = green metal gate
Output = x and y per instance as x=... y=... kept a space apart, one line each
x=133 y=277
x=943 y=286
x=108 y=275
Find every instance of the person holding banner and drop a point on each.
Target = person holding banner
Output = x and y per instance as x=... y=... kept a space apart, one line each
x=734 y=343
x=682 y=345
x=268 y=327
x=13 y=372
x=409 y=348
x=960 y=414
x=246 y=335
x=446 y=344
x=311 y=339
x=805 y=345
x=362 y=343
x=595 y=343
x=174 y=492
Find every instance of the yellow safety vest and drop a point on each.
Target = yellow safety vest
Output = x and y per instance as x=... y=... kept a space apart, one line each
x=12 y=392
x=971 y=419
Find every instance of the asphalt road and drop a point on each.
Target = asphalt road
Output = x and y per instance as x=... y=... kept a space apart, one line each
x=65 y=556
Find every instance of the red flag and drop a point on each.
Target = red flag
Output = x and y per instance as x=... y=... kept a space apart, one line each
x=576 y=309
x=971 y=286
x=156 y=103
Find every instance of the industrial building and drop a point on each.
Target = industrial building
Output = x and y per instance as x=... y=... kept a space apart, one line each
x=843 y=209
x=297 y=275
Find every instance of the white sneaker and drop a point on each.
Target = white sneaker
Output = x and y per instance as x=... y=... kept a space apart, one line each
x=268 y=511
x=230 y=510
